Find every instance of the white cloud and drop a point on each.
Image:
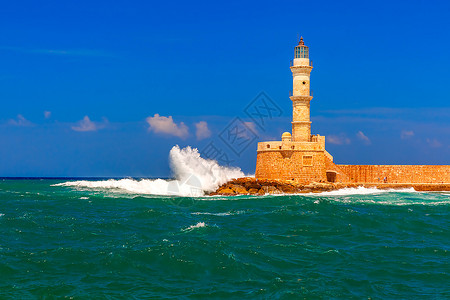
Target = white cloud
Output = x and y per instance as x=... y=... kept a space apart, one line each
x=248 y=131
x=360 y=135
x=20 y=121
x=166 y=125
x=47 y=114
x=341 y=139
x=252 y=127
x=86 y=124
x=406 y=134
x=203 y=131
x=434 y=143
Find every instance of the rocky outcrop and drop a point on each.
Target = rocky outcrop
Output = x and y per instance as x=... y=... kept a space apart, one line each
x=253 y=186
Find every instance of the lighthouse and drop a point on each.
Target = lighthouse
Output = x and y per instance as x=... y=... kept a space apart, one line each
x=301 y=96
x=299 y=156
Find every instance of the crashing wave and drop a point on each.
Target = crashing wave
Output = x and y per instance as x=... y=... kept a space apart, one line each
x=193 y=176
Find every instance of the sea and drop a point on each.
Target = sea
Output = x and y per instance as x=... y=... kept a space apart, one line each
x=134 y=238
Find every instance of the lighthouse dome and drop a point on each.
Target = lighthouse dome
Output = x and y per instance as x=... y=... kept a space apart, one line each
x=286 y=137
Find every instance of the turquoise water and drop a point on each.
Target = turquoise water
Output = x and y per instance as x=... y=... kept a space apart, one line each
x=60 y=241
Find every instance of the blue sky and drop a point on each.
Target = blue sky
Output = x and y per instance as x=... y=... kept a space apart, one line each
x=79 y=81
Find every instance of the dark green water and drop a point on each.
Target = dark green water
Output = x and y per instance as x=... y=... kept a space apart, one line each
x=58 y=241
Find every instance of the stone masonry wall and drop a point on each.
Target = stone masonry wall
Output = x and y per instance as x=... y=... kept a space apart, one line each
x=307 y=162
x=288 y=165
x=396 y=173
x=341 y=176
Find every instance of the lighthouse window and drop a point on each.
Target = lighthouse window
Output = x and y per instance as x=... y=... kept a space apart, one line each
x=307 y=160
x=301 y=52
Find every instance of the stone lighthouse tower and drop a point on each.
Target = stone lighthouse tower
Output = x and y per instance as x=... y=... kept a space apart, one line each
x=299 y=156
x=301 y=97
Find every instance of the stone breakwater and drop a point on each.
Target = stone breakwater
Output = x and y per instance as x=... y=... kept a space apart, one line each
x=253 y=186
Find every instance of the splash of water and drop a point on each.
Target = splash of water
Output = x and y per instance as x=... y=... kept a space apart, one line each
x=186 y=163
x=198 y=225
x=193 y=176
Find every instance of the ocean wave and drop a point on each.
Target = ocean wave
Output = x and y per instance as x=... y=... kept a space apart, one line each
x=230 y=213
x=198 y=225
x=194 y=177
x=363 y=191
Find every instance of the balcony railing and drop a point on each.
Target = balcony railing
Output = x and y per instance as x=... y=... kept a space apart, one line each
x=292 y=63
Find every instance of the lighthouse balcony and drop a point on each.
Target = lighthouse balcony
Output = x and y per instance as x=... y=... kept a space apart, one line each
x=307 y=63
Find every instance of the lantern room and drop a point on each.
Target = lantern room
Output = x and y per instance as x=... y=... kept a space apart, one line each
x=301 y=51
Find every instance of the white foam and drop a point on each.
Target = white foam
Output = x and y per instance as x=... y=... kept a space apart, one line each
x=219 y=214
x=340 y=192
x=194 y=176
x=445 y=193
x=363 y=191
x=198 y=225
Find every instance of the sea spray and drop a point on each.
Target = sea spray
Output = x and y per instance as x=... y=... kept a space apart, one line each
x=187 y=162
x=193 y=176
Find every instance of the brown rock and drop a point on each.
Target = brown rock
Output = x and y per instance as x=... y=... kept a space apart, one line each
x=253 y=191
x=252 y=185
x=289 y=189
x=272 y=190
x=226 y=191
x=239 y=189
